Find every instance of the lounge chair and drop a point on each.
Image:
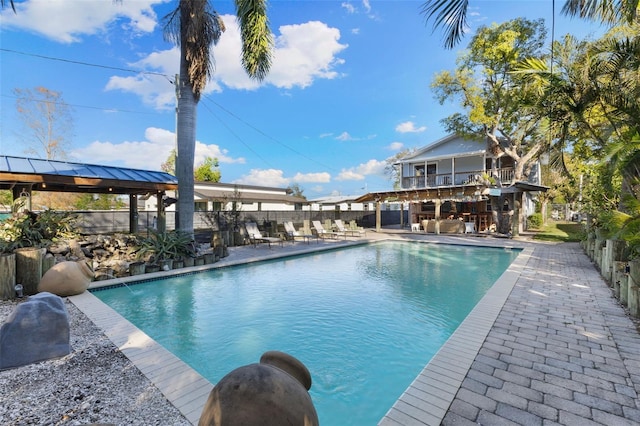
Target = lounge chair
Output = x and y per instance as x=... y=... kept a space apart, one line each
x=323 y=233
x=256 y=237
x=293 y=234
x=353 y=232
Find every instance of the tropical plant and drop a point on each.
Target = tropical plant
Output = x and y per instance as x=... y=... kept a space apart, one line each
x=166 y=245
x=29 y=229
x=452 y=14
x=195 y=26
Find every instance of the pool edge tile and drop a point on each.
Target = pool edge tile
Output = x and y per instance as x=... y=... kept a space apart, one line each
x=177 y=390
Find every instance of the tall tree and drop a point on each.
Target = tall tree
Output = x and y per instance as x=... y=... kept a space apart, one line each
x=48 y=122
x=208 y=171
x=195 y=27
x=494 y=99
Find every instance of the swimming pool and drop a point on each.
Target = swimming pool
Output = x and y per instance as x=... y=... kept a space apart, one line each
x=364 y=320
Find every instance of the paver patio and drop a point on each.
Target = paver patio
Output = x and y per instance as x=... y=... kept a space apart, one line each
x=559 y=349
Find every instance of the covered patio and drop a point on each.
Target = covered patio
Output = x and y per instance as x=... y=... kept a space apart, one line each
x=23 y=175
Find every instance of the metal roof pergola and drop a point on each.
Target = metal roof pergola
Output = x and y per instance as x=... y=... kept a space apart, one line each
x=23 y=175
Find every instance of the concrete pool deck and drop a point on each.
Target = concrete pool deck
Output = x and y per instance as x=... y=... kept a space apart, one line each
x=547 y=345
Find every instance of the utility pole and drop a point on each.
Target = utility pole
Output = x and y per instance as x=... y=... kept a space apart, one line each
x=176 y=81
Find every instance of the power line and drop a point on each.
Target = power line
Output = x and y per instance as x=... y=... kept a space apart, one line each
x=51 y=58
x=237 y=137
x=170 y=78
x=80 y=106
x=268 y=136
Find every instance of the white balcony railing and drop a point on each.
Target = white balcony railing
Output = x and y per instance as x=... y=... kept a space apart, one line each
x=454 y=179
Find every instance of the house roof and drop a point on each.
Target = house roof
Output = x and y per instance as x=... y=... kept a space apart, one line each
x=337 y=199
x=246 y=195
x=65 y=176
x=432 y=147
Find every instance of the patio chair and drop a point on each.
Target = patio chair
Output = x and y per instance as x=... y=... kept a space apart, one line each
x=323 y=233
x=256 y=237
x=469 y=227
x=293 y=233
x=353 y=232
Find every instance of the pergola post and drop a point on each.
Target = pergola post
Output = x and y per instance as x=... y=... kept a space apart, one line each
x=19 y=191
x=162 y=216
x=437 y=202
x=133 y=213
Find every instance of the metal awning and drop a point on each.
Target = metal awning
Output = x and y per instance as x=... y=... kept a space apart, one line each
x=63 y=176
x=445 y=193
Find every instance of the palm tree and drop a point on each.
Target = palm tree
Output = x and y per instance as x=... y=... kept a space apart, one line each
x=195 y=27
x=452 y=14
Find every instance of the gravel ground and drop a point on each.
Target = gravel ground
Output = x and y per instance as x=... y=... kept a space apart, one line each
x=95 y=383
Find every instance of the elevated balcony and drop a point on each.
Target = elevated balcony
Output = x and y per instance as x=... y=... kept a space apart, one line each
x=465 y=178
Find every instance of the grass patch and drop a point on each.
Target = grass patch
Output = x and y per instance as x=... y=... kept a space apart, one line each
x=560 y=232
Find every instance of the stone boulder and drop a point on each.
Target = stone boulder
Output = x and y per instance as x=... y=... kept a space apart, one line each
x=36 y=330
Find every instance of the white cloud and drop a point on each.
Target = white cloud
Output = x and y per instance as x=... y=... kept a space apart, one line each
x=345 y=136
x=395 y=146
x=350 y=8
x=68 y=21
x=303 y=53
x=409 y=127
x=147 y=154
x=322 y=177
x=276 y=178
x=269 y=177
x=371 y=167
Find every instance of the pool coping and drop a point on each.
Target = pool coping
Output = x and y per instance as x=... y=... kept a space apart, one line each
x=424 y=402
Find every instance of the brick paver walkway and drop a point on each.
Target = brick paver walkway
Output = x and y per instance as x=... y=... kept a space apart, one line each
x=561 y=352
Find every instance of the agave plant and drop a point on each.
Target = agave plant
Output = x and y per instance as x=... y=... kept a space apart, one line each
x=166 y=245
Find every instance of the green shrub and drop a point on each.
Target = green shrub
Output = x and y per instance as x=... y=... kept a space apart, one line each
x=29 y=229
x=535 y=220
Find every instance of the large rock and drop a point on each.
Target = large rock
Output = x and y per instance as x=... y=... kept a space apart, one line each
x=67 y=278
x=36 y=330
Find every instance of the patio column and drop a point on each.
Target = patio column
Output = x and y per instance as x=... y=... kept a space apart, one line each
x=378 y=216
x=517 y=219
x=22 y=191
x=437 y=202
x=133 y=213
x=162 y=217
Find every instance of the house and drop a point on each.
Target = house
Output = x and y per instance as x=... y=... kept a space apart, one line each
x=216 y=196
x=339 y=203
x=457 y=178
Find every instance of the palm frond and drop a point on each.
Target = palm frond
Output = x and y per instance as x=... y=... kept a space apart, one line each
x=450 y=14
x=606 y=11
x=3 y=3
x=195 y=27
x=257 y=41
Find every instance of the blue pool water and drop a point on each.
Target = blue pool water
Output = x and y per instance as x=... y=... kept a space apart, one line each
x=365 y=320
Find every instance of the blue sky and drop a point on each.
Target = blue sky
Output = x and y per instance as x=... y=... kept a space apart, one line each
x=348 y=88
